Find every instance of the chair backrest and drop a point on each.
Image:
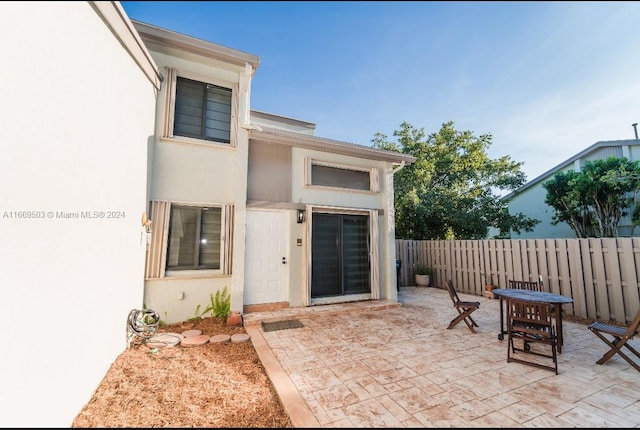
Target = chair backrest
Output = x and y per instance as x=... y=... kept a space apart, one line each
x=452 y=292
x=534 y=318
x=526 y=285
x=635 y=325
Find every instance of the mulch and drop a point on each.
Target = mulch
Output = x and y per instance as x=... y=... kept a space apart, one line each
x=218 y=384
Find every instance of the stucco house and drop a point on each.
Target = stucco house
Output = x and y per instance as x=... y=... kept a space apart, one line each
x=529 y=199
x=254 y=201
x=136 y=175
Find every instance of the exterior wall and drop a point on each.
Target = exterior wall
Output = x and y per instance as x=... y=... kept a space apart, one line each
x=346 y=200
x=206 y=173
x=531 y=202
x=312 y=195
x=77 y=114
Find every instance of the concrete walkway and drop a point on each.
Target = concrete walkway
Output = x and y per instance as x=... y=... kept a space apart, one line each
x=386 y=364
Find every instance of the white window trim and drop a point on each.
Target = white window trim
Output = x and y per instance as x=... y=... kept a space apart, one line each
x=170 y=104
x=374 y=181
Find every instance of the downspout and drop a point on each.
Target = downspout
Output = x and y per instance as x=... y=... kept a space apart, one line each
x=398 y=262
x=400 y=167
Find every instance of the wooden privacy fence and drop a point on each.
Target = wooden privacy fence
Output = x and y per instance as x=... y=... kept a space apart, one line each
x=601 y=275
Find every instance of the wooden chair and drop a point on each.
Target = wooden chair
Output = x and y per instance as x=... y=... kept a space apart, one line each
x=464 y=308
x=526 y=285
x=620 y=338
x=531 y=322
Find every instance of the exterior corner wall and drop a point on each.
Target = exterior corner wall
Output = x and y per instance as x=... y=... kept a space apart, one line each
x=77 y=113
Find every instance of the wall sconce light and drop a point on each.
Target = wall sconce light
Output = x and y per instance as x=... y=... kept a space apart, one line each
x=301 y=216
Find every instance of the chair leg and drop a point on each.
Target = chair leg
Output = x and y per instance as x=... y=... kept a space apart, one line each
x=470 y=323
x=616 y=348
x=462 y=316
x=473 y=322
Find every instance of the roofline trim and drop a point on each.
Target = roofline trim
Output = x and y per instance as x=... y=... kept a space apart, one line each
x=270 y=135
x=186 y=43
x=121 y=26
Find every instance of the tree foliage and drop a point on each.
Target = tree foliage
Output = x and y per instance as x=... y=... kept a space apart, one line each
x=450 y=190
x=593 y=200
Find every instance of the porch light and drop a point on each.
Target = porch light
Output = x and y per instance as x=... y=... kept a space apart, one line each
x=301 y=216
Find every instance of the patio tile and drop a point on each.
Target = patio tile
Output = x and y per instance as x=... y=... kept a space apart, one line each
x=375 y=364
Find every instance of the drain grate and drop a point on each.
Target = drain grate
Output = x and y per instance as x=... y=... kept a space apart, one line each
x=281 y=325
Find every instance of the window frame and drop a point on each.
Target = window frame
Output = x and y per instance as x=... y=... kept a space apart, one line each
x=374 y=183
x=199 y=268
x=171 y=77
x=158 y=247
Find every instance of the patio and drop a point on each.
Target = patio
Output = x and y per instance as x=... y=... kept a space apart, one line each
x=384 y=364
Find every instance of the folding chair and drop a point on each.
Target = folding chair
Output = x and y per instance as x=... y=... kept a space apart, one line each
x=465 y=309
x=621 y=336
x=531 y=322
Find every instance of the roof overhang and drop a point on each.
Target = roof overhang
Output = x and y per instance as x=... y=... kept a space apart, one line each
x=281 y=137
x=176 y=41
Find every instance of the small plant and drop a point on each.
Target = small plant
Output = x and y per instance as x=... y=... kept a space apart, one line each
x=220 y=306
x=488 y=278
x=197 y=316
x=422 y=269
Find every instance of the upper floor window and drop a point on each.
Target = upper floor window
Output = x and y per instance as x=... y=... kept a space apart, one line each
x=202 y=111
x=199 y=109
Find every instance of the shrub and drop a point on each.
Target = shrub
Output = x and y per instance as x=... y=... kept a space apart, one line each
x=422 y=269
x=220 y=306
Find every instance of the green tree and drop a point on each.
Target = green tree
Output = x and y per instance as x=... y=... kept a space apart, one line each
x=593 y=200
x=450 y=190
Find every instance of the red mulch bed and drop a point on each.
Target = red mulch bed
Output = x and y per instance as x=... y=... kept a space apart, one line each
x=213 y=385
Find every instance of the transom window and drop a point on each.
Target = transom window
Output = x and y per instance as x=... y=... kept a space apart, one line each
x=202 y=111
x=326 y=175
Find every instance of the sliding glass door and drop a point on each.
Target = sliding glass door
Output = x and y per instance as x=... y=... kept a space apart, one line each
x=340 y=255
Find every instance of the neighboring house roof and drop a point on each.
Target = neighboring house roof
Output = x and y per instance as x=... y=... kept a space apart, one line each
x=570 y=161
x=175 y=43
x=282 y=137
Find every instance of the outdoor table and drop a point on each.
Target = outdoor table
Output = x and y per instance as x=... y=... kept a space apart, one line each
x=533 y=296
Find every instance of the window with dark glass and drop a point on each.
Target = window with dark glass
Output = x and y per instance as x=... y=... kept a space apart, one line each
x=202 y=111
x=194 y=238
x=338 y=177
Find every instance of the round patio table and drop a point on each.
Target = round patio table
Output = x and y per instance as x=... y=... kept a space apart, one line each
x=533 y=296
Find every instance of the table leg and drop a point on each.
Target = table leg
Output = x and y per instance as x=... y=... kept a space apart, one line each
x=502 y=332
x=559 y=326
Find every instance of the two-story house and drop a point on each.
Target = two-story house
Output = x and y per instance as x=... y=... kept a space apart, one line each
x=108 y=124
x=253 y=201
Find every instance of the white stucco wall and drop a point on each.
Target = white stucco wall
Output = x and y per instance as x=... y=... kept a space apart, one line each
x=76 y=117
x=349 y=199
x=200 y=172
x=323 y=196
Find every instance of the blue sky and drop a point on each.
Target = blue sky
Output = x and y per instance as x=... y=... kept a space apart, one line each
x=545 y=79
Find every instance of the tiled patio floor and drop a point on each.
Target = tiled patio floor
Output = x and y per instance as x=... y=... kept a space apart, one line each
x=377 y=364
